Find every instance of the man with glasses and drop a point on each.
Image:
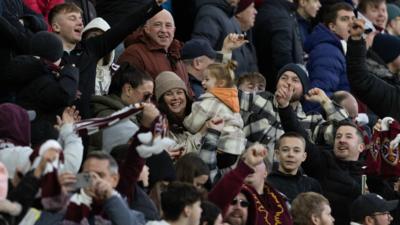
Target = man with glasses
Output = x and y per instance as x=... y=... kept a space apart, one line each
x=372 y=209
x=237 y=212
x=153 y=48
x=244 y=196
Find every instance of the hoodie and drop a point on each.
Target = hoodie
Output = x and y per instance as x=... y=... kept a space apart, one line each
x=103 y=72
x=327 y=63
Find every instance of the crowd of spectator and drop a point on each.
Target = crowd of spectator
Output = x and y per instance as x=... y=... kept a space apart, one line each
x=200 y=112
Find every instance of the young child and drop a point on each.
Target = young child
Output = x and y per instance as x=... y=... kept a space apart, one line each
x=219 y=100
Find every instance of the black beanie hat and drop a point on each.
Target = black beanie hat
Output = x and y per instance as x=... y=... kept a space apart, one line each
x=386 y=46
x=300 y=71
x=161 y=168
x=46 y=45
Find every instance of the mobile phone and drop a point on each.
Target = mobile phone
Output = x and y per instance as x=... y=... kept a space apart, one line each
x=83 y=180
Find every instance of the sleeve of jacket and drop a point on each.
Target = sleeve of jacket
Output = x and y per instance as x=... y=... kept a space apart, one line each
x=314 y=164
x=324 y=130
x=206 y=26
x=104 y=44
x=381 y=97
x=131 y=168
x=323 y=69
x=119 y=213
x=229 y=186
x=73 y=148
x=208 y=151
x=196 y=120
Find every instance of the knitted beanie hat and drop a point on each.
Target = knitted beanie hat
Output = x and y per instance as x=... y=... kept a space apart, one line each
x=166 y=81
x=243 y=4
x=300 y=71
x=46 y=45
x=386 y=46
x=393 y=11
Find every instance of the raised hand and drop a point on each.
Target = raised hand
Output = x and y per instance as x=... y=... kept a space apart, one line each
x=317 y=95
x=255 y=154
x=69 y=116
x=150 y=113
x=233 y=41
x=357 y=29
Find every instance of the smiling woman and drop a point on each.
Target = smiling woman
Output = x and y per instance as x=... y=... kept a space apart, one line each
x=173 y=100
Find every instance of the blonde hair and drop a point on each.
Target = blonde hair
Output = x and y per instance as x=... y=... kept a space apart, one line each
x=223 y=72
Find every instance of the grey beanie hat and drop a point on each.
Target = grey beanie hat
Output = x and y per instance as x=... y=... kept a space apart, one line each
x=166 y=81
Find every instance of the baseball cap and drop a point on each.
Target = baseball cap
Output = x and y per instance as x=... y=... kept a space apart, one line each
x=368 y=204
x=196 y=48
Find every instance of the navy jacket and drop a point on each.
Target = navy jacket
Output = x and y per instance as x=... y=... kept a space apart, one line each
x=326 y=63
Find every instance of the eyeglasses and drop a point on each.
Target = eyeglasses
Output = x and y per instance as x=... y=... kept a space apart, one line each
x=147 y=97
x=242 y=203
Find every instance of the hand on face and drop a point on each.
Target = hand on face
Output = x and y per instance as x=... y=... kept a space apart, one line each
x=283 y=95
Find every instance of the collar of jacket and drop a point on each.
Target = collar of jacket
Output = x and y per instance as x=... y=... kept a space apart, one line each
x=281 y=174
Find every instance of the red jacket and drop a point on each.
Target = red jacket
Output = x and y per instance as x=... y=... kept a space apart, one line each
x=42 y=7
x=145 y=54
x=271 y=201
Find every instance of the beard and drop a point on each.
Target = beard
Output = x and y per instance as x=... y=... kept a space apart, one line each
x=236 y=218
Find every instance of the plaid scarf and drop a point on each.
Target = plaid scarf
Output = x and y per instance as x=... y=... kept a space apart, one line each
x=93 y=125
